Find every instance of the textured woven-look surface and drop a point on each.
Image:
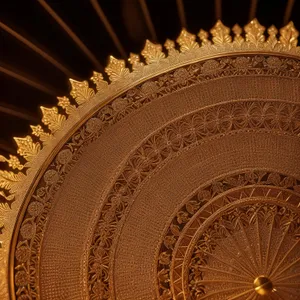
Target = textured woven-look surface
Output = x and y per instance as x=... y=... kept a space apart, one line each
x=115 y=220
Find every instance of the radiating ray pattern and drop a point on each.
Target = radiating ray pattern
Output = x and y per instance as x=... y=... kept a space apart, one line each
x=244 y=243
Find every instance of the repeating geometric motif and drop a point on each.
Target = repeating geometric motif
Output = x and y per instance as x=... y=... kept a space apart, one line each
x=29 y=239
x=242 y=243
x=200 y=206
x=165 y=144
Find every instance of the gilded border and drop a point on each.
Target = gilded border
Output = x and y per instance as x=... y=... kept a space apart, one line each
x=38 y=149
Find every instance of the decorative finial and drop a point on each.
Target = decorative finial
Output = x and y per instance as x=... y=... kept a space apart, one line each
x=134 y=59
x=52 y=118
x=98 y=79
x=27 y=148
x=263 y=285
x=187 y=41
x=40 y=133
x=221 y=34
x=170 y=46
x=13 y=162
x=152 y=52
x=272 y=39
x=255 y=32
x=203 y=36
x=238 y=39
x=289 y=36
x=116 y=69
x=81 y=91
x=64 y=103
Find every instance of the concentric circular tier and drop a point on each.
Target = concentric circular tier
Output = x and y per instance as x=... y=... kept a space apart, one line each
x=179 y=180
x=247 y=251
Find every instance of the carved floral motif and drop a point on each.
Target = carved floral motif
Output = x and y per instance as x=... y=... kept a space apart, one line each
x=204 y=203
x=174 y=138
x=182 y=133
x=220 y=43
x=243 y=243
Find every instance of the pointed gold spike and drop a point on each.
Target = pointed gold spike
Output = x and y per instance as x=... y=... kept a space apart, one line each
x=203 y=36
x=64 y=103
x=8 y=180
x=52 y=118
x=255 y=32
x=152 y=52
x=13 y=162
x=289 y=36
x=40 y=133
x=134 y=60
x=221 y=34
x=101 y=84
x=272 y=39
x=27 y=148
x=170 y=46
x=238 y=39
x=116 y=69
x=81 y=91
x=187 y=41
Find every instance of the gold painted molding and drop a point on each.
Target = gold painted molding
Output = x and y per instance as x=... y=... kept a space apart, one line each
x=35 y=151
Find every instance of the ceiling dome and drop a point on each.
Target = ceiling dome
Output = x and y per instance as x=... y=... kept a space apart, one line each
x=173 y=176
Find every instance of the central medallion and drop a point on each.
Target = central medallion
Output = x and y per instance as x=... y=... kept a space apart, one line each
x=263 y=285
x=242 y=242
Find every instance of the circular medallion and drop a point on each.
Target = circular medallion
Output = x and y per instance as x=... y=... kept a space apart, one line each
x=245 y=251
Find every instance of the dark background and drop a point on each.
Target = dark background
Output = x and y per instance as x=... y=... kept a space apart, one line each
x=19 y=101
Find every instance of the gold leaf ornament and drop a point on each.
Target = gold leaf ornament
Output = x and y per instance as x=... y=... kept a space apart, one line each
x=64 y=103
x=81 y=91
x=134 y=60
x=221 y=34
x=52 y=118
x=203 y=36
x=101 y=84
x=238 y=39
x=13 y=162
x=7 y=179
x=289 y=36
x=116 y=69
x=8 y=197
x=272 y=39
x=27 y=148
x=170 y=46
x=187 y=41
x=152 y=52
x=39 y=132
x=255 y=32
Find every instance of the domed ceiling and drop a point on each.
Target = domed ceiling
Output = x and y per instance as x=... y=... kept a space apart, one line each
x=164 y=160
